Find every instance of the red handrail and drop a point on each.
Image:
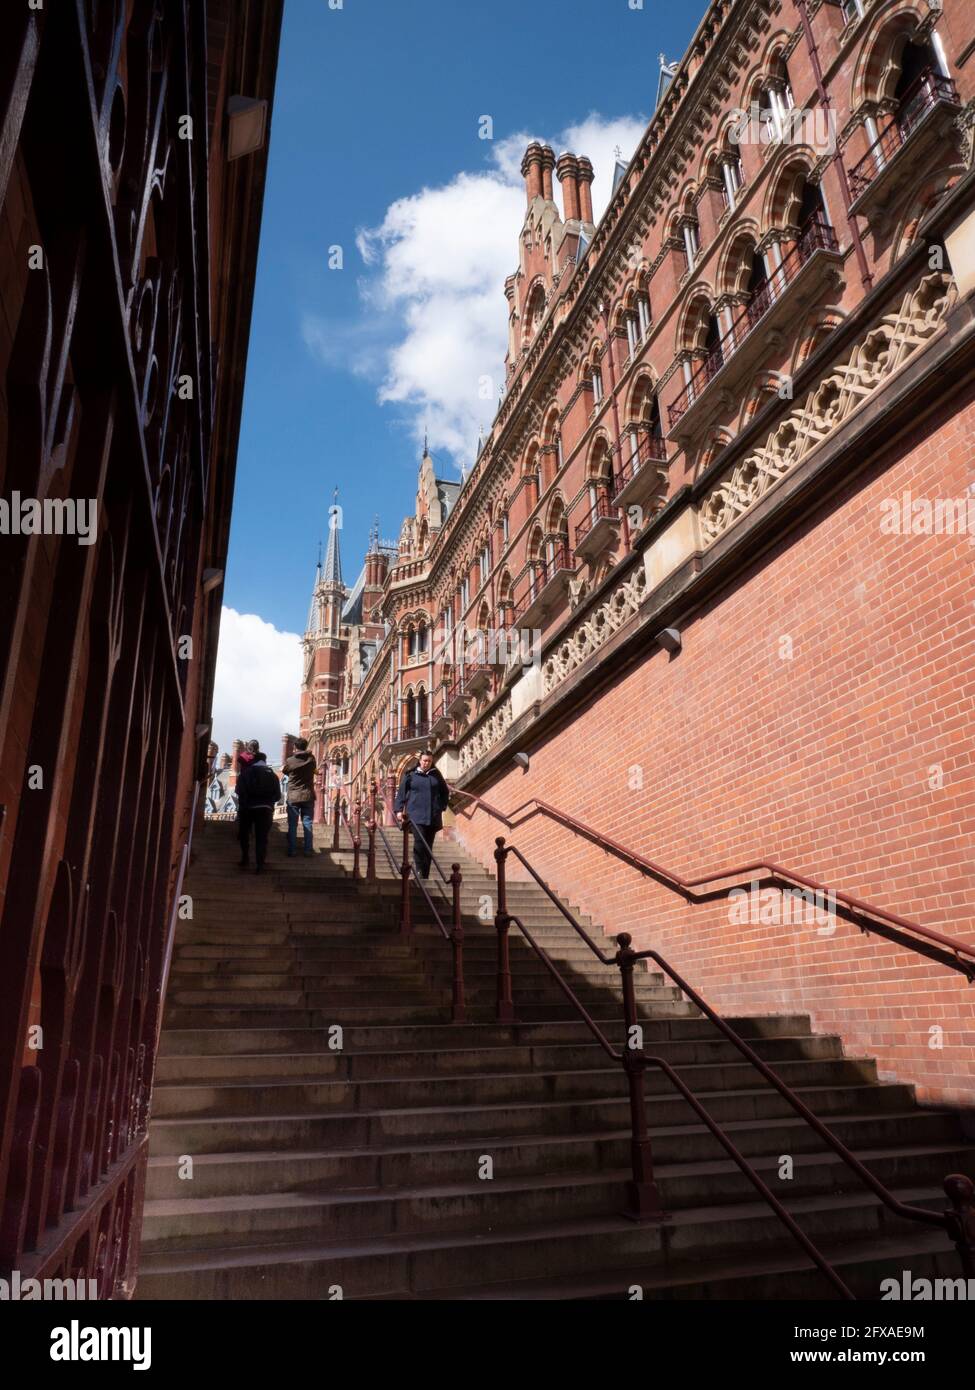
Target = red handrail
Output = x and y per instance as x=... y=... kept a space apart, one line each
x=957 y=1222
x=454 y=934
x=685 y=887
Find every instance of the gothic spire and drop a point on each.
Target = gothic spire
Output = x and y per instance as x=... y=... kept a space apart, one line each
x=333 y=560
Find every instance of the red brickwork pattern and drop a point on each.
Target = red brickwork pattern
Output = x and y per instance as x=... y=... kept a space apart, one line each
x=824 y=762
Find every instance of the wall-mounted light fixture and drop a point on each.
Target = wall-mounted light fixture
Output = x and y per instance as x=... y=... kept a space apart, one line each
x=522 y=760
x=246 y=126
x=669 y=639
x=211 y=579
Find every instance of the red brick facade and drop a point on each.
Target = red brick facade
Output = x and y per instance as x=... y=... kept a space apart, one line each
x=709 y=397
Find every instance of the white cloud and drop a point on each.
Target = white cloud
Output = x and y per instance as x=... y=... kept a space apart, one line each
x=437 y=264
x=257 y=681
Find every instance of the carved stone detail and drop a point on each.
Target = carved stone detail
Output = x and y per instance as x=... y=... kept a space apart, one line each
x=886 y=347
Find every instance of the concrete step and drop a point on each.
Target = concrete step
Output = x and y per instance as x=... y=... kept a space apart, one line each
x=276 y=1095
x=556 y=1057
x=443 y=1037
x=216 y=1133
x=410 y=1264
x=218 y=1174
x=193 y=1222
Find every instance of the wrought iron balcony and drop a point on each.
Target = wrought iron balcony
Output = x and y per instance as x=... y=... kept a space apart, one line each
x=817 y=235
x=883 y=162
x=598 y=527
x=640 y=478
x=547 y=581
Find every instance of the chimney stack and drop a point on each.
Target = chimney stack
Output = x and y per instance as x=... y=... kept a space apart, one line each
x=548 y=164
x=568 y=172
x=531 y=171
x=586 y=177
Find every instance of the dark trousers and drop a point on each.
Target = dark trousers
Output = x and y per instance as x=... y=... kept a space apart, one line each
x=422 y=852
x=260 y=818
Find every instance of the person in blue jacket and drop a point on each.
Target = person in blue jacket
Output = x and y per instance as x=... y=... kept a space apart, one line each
x=423 y=796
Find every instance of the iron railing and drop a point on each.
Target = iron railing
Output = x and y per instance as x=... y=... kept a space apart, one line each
x=958 y=1221
x=922 y=96
x=454 y=934
x=652 y=448
x=540 y=573
x=602 y=507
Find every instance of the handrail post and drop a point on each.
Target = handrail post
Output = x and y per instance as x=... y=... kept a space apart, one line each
x=502 y=922
x=961 y=1219
x=356 y=835
x=642 y=1196
x=371 y=826
x=337 y=811
x=457 y=948
x=405 y=919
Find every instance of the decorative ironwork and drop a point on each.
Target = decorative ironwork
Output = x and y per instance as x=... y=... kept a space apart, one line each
x=107 y=395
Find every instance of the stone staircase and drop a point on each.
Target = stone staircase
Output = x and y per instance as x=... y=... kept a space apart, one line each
x=421 y=1159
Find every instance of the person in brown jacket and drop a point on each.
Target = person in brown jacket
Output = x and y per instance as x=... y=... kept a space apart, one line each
x=300 y=771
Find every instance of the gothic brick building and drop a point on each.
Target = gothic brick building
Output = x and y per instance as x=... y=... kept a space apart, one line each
x=718 y=403
x=132 y=164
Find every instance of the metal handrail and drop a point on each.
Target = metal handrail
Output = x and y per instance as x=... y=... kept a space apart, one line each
x=711 y=1124
x=453 y=934
x=354 y=835
x=958 y=1222
x=881 y=921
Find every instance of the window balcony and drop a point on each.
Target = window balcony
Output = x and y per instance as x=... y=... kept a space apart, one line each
x=908 y=146
x=478 y=678
x=598 y=528
x=641 y=480
x=548 y=582
x=441 y=721
x=804 y=273
x=408 y=736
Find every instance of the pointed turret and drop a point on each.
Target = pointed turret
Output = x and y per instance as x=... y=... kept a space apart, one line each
x=333 y=560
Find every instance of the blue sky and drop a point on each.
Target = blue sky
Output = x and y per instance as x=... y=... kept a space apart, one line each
x=375 y=148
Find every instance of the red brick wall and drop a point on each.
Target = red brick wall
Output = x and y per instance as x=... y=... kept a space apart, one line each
x=820 y=762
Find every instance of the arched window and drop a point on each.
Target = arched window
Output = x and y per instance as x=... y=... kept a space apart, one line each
x=775 y=100
x=557 y=536
x=599 y=483
x=690 y=233
x=534 y=312
x=731 y=173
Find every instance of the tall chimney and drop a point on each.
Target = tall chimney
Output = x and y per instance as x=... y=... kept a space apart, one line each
x=548 y=164
x=586 y=177
x=568 y=172
x=531 y=170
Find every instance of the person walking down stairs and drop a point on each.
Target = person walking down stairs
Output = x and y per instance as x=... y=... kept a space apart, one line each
x=258 y=792
x=423 y=796
x=300 y=771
